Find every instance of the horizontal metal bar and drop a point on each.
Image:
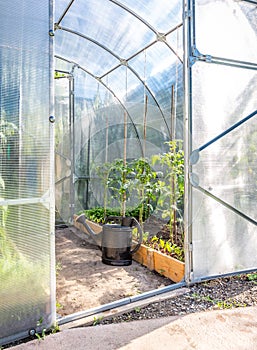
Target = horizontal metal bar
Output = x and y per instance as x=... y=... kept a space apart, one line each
x=232 y=63
x=23 y=201
x=229 y=274
x=197 y=56
x=12 y=338
x=118 y=303
x=154 y=292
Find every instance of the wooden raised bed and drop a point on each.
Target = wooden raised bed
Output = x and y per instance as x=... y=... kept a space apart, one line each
x=155 y=261
x=94 y=226
x=163 y=264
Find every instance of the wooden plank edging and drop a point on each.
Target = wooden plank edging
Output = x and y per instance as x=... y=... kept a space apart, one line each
x=161 y=263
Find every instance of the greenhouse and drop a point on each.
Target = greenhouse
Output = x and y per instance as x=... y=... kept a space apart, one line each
x=93 y=95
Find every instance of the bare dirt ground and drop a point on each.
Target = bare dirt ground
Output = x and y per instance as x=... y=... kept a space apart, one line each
x=84 y=282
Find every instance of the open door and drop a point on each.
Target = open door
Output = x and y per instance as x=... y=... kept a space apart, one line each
x=221 y=138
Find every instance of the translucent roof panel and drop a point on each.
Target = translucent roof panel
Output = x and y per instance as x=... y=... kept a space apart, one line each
x=161 y=16
x=132 y=49
x=120 y=28
x=109 y=24
x=85 y=53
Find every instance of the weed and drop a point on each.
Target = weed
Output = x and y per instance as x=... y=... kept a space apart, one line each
x=252 y=276
x=205 y=298
x=58 y=268
x=97 y=320
x=41 y=335
x=59 y=306
x=55 y=328
x=208 y=298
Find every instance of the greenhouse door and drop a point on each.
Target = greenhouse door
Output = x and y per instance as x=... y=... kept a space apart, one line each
x=27 y=247
x=221 y=85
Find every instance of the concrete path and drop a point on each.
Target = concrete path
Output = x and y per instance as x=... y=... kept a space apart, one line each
x=211 y=330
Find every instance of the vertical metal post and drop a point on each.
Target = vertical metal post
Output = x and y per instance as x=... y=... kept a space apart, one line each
x=187 y=39
x=88 y=167
x=52 y=160
x=72 y=148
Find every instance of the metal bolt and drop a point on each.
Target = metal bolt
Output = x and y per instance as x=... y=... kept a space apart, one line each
x=32 y=332
x=51 y=119
x=51 y=32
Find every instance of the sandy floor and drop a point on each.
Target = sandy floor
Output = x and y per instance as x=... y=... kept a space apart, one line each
x=84 y=282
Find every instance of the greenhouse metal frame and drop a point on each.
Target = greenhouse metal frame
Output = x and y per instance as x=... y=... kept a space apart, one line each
x=166 y=71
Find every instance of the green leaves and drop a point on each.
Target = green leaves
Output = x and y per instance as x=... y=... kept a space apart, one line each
x=172 y=186
x=131 y=179
x=166 y=247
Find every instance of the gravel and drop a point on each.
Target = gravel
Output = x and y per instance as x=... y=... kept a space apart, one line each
x=222 y=293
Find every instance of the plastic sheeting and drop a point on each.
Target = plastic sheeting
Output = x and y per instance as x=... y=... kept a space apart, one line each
x=27 y=267
x=130 y=73
x=223 y=82
x=121 y=63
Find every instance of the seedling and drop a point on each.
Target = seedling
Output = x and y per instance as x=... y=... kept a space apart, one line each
x=97 y=320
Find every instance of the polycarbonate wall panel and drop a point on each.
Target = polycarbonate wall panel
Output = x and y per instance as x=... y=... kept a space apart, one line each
x=63 y=149
x=27 y=269
x=223 y=179
x=234 y=37
x=224 y=242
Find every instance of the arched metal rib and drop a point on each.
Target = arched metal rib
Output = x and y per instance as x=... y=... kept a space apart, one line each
x=110 y=90
x=119 y=65
x=127 y=9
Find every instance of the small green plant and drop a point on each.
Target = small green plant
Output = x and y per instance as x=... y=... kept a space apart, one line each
x=147 y=185
x=55 y=328
x=116 y=179
x=123 y=180
x=137 y=309
x=97 y=320
x=59 y=306
x=166 y=247
x=120 y=182
x=208 y=298
x=58 y=268
x=252 y=276
x=221 y=304
x=41 y=335
x=228 y=304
